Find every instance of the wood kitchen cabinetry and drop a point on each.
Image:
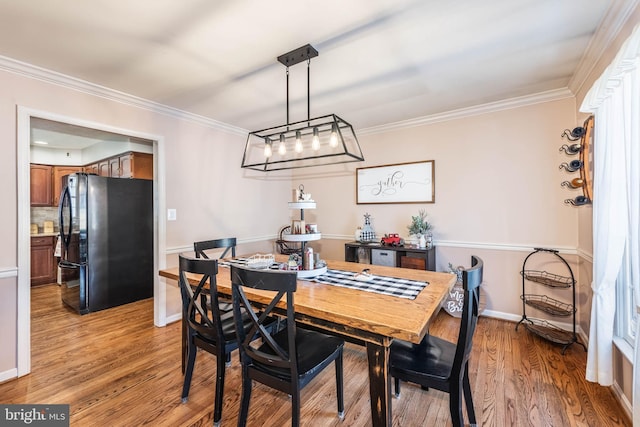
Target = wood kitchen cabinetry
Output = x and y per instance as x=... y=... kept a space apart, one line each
x=58 y=173
x=91 y=168
x=103 y=168
x=127 y=165
x=41 y=188
x=46 y=180
x=135 y=165
x=43 y=264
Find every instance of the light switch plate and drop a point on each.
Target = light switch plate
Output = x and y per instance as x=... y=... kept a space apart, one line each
x=171 y=214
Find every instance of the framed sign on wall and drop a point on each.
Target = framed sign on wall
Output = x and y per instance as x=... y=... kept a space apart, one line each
x=399 y=183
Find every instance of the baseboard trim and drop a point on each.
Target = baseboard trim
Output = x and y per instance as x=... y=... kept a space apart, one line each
x=174 y=318
x=8 y=375
x=624 y=402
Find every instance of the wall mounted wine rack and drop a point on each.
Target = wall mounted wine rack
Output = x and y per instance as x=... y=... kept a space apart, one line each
x=581 y=145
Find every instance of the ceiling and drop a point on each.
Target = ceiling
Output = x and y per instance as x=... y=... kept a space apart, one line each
x=379 y=61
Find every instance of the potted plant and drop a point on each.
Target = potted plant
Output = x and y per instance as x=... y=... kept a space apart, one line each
x=421 y=228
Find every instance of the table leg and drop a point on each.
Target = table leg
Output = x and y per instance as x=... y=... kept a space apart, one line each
x=379 y=384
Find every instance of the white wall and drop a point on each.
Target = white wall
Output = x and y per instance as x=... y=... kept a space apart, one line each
x=203 y=180
x=497 y=195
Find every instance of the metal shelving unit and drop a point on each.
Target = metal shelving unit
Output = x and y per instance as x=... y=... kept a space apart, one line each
x=547 y=304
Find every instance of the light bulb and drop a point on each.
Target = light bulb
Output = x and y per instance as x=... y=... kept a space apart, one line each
x=315 y=142
x=282 y=150
x=267 y=149
x=333 y=140
x=298 y=142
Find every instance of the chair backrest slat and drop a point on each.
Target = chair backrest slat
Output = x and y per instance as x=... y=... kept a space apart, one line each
x=282 y=284
x=201 y=318
x=229 y=244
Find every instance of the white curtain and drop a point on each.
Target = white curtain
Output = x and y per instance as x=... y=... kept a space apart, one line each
x=615 y=102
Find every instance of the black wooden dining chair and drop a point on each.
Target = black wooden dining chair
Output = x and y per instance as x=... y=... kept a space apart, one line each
x=441 y=364
x=207 y=327
x=224 y=304
x=286 y=360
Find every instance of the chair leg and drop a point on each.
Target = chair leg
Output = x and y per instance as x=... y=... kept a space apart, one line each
x=220 y=370
x=466 y=385
x=295 y=408
x=396 y=383
x=455 y=403
x=191 y=361
x=184 y=343
x=228 y=359
x=340 y=386
x=244 y=400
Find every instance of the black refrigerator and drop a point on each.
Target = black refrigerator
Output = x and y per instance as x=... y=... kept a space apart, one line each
x=106 y=233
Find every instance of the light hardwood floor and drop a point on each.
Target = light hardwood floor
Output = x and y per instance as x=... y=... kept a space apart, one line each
x=116 y=369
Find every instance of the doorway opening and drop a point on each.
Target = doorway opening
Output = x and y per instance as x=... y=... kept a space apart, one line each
x=34 y=125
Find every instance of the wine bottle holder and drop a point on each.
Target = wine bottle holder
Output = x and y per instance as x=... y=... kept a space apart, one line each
x=583 y=165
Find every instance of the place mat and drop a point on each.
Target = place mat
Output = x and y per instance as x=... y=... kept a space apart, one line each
x=403 y=288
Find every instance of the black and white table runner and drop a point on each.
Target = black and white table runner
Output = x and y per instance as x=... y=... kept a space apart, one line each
x=403 y=288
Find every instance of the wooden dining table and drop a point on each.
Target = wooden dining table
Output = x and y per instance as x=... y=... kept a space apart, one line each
x=363 y=316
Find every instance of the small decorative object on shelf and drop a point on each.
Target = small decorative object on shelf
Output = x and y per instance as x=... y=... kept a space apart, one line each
x=392 y=240
x=584 y=164
x=421 y=228
x=547 y=304
x=368 y=234
x=300 y=233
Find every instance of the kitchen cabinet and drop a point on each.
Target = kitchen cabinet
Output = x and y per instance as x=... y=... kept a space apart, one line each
x=126 y=165
x=103 y=168
x=91 y=168
x=136 y=165
x=41 y=188
x=43 y=264
x=114 y=167
x=58 y=173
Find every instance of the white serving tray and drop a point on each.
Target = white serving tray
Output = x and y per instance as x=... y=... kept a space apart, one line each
x=307 y=274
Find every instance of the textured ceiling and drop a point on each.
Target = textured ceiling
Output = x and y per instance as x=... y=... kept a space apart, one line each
x=379 y=61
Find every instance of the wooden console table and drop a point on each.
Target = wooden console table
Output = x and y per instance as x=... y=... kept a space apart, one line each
x=391 y=256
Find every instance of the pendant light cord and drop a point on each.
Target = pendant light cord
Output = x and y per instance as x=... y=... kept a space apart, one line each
x=308 y=92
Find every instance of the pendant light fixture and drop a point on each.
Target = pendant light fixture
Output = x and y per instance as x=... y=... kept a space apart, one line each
x=316 y=141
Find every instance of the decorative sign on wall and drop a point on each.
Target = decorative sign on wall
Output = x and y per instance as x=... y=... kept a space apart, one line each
x=400 y=183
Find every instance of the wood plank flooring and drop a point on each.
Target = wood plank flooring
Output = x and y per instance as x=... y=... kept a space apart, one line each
x=116 y=369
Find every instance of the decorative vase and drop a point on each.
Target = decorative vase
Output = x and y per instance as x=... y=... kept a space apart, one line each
x=422 y=242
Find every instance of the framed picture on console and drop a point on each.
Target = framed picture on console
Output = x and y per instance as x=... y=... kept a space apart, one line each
x=397 y=183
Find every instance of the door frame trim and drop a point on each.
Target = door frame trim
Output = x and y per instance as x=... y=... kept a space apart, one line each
x=24 y=115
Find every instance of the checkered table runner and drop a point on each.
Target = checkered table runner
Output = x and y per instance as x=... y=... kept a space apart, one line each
x=403 y=288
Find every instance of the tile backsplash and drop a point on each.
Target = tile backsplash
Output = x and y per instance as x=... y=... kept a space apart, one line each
x=41 y=214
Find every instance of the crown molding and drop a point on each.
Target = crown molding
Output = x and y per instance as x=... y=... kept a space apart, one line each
x=608 y=29
x=52 y=77
x=506 y=104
